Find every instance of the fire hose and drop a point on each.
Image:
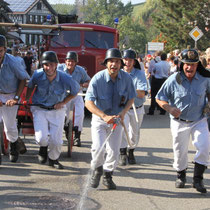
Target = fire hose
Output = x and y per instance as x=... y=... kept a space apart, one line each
x=127 y=136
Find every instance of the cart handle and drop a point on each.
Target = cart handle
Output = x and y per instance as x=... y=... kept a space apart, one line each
x=40 y=105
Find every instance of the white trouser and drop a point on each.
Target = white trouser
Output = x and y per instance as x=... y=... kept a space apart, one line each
x=79 y=111
x=8 y=114
x=133 y=128
x=48 y=126
x=100 y=131
x=181 y=132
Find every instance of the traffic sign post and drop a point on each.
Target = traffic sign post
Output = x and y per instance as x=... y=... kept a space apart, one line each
x=196 y=34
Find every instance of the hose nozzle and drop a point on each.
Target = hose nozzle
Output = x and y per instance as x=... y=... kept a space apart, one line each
x=116 y=123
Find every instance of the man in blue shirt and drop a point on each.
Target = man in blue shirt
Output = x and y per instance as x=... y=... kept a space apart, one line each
x=13 y=77
x=50 y=93
x=161 y=72
x=184 y=95
x=133 y=118
x=79 y=74
x=109 y=96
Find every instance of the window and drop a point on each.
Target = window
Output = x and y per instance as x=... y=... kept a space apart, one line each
x=39 y=6
x=97 y=39
x=36 y=18
x=67 y=39
x=42 y=19
x=39 y=19
x=31 y=18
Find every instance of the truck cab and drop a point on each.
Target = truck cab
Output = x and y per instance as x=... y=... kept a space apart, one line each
x=91 y=45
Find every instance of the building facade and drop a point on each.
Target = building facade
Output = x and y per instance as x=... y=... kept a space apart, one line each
x=30 y=12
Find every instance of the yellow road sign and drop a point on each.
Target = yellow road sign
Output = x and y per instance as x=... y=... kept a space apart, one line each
x=196 y=33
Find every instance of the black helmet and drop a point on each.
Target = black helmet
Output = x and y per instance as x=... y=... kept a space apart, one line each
x=132 y=55
x=189 y=56
x=3 y=41
x=129 y=54
x=112 y=53
x=72 y=55
x=49 y=57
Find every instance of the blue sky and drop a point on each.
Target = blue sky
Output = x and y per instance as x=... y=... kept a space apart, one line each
x=72 y=1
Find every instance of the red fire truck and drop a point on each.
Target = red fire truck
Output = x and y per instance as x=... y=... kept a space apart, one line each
x=91 y=45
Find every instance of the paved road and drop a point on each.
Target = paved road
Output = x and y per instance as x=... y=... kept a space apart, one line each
x=147 y=185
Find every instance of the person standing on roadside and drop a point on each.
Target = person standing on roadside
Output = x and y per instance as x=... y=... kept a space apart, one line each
x=161 y=72
x=109 y=96
x=28 y=59
x=150 y=77
x=184 y=95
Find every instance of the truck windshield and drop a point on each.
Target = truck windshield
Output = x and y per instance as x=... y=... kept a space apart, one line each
x=66 y=39
x=101 y=40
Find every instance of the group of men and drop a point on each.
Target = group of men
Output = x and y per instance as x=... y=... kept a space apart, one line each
x=53 y=90
x=115 y=97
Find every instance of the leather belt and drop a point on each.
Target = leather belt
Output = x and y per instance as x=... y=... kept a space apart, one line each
x=187 y=121
x=5 y=93
x=47 y=107
x=137 y=107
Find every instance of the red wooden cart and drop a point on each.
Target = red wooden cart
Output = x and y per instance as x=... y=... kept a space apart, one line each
x=25 y=126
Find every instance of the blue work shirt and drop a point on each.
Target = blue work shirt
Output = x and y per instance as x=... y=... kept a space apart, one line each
x=189 y=97
x=161 y=70
x=11 y=72
x=109 y=96
x=50 y=93
x=79 y=73
x=140 y=83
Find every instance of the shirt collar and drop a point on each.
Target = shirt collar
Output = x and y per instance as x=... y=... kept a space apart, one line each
x=44 y=76
x=185 y=78
x=133 y=71
x=5 y=60
x=76 y=69
x=108 y=78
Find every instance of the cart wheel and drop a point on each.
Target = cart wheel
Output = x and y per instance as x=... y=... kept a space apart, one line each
x=3 y=140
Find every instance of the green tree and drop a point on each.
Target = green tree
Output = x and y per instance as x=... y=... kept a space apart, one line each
x=132 y=35
x=65 y=9
x=176 y=18
x=104 y=12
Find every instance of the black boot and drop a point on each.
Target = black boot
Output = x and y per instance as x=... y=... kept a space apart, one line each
x=131 y=158
x=181 y=179
x=42 y=157
x=77 y=134
x=21 y=147
x=55 y=164
x=66 y=129
x=198 y=178
x=13 y=156
x=123 y=157
x=96 y=176
x=151 y=112
x=107 y=181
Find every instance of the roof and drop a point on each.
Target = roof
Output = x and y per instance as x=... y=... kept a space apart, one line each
x=24 y=6
x=4 y=6
x=19 y=5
